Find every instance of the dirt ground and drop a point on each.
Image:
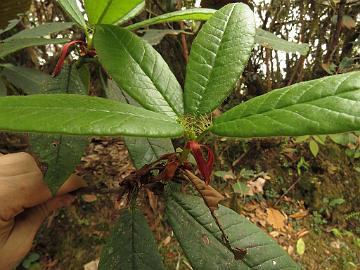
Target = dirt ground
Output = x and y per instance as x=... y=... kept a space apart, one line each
x=293 y=196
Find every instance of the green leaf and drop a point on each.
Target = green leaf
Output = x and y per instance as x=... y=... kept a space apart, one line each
x=241 y=188
x=82 y=115
x=344 y=138
x=269 y=40
x=10 y=10
x=3 y=89
x=142 y=150
x=323 y=106
x=68 y=81
x=41 y=30
x=136 y=10
x=201 y=239
x=320 y=139
x=72 y=9
x=30 y=80
x=11 y=25
x=131 y=245
x=146 y=150
x=154 y=36
x=111 y=11
x=218 y=56
x=198 y=14
x=60 y=153
x=17 y=44
x=314 y=148
x=138 y=70
x=300 y=247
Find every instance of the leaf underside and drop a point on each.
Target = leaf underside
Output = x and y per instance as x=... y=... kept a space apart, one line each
x=138 y=70
x=72 y=9
x=131 y=245
x=323 y=106
x=41 y=30
x=201 y=240
x=30 y=80
x=199 y=14
x=218 y=56
x=268 y=39
x=82 y=115
x=14 y=45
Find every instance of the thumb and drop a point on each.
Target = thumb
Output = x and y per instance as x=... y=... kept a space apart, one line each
x=32 y=218
x=26 y=225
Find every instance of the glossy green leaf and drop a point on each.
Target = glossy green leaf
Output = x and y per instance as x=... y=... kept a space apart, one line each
x=138 y=70
x=218 y=56
x=41 y=30
x=17 y=44
x=82 y=115
x=142 y=150
x=110 y=11
x=323 y=106
x=30 y=80
x=196 y=14
x=61 y=155
x=201 y=239
x=131 y=245
x=269 y=40
x=72 y=9
x=10 y=9
x=136 y=10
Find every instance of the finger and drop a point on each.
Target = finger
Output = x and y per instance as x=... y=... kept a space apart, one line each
x=73 y=183
x=22 y=185
x=27 y=224
x=17 y=164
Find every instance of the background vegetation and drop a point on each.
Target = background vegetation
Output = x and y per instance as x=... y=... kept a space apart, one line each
x=303 y=191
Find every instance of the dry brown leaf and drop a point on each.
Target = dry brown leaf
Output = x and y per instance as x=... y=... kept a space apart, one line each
x=210 y=195
x=89 y=198
x=299 y=215
x=256 y=186
x=275 y=218
x=302 y=233
x=166 y=241
x=152 y=200
x=93 y=265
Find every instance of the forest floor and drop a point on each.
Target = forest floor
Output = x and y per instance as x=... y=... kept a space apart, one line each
x=309 y=205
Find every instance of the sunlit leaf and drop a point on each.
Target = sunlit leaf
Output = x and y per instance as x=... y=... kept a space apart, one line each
x=323 y=106
x=218 y=57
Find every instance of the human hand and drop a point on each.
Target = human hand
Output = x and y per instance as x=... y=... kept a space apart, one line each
x=25 y=201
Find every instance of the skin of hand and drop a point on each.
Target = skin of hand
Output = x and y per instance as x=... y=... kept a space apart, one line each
x=25 y=202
